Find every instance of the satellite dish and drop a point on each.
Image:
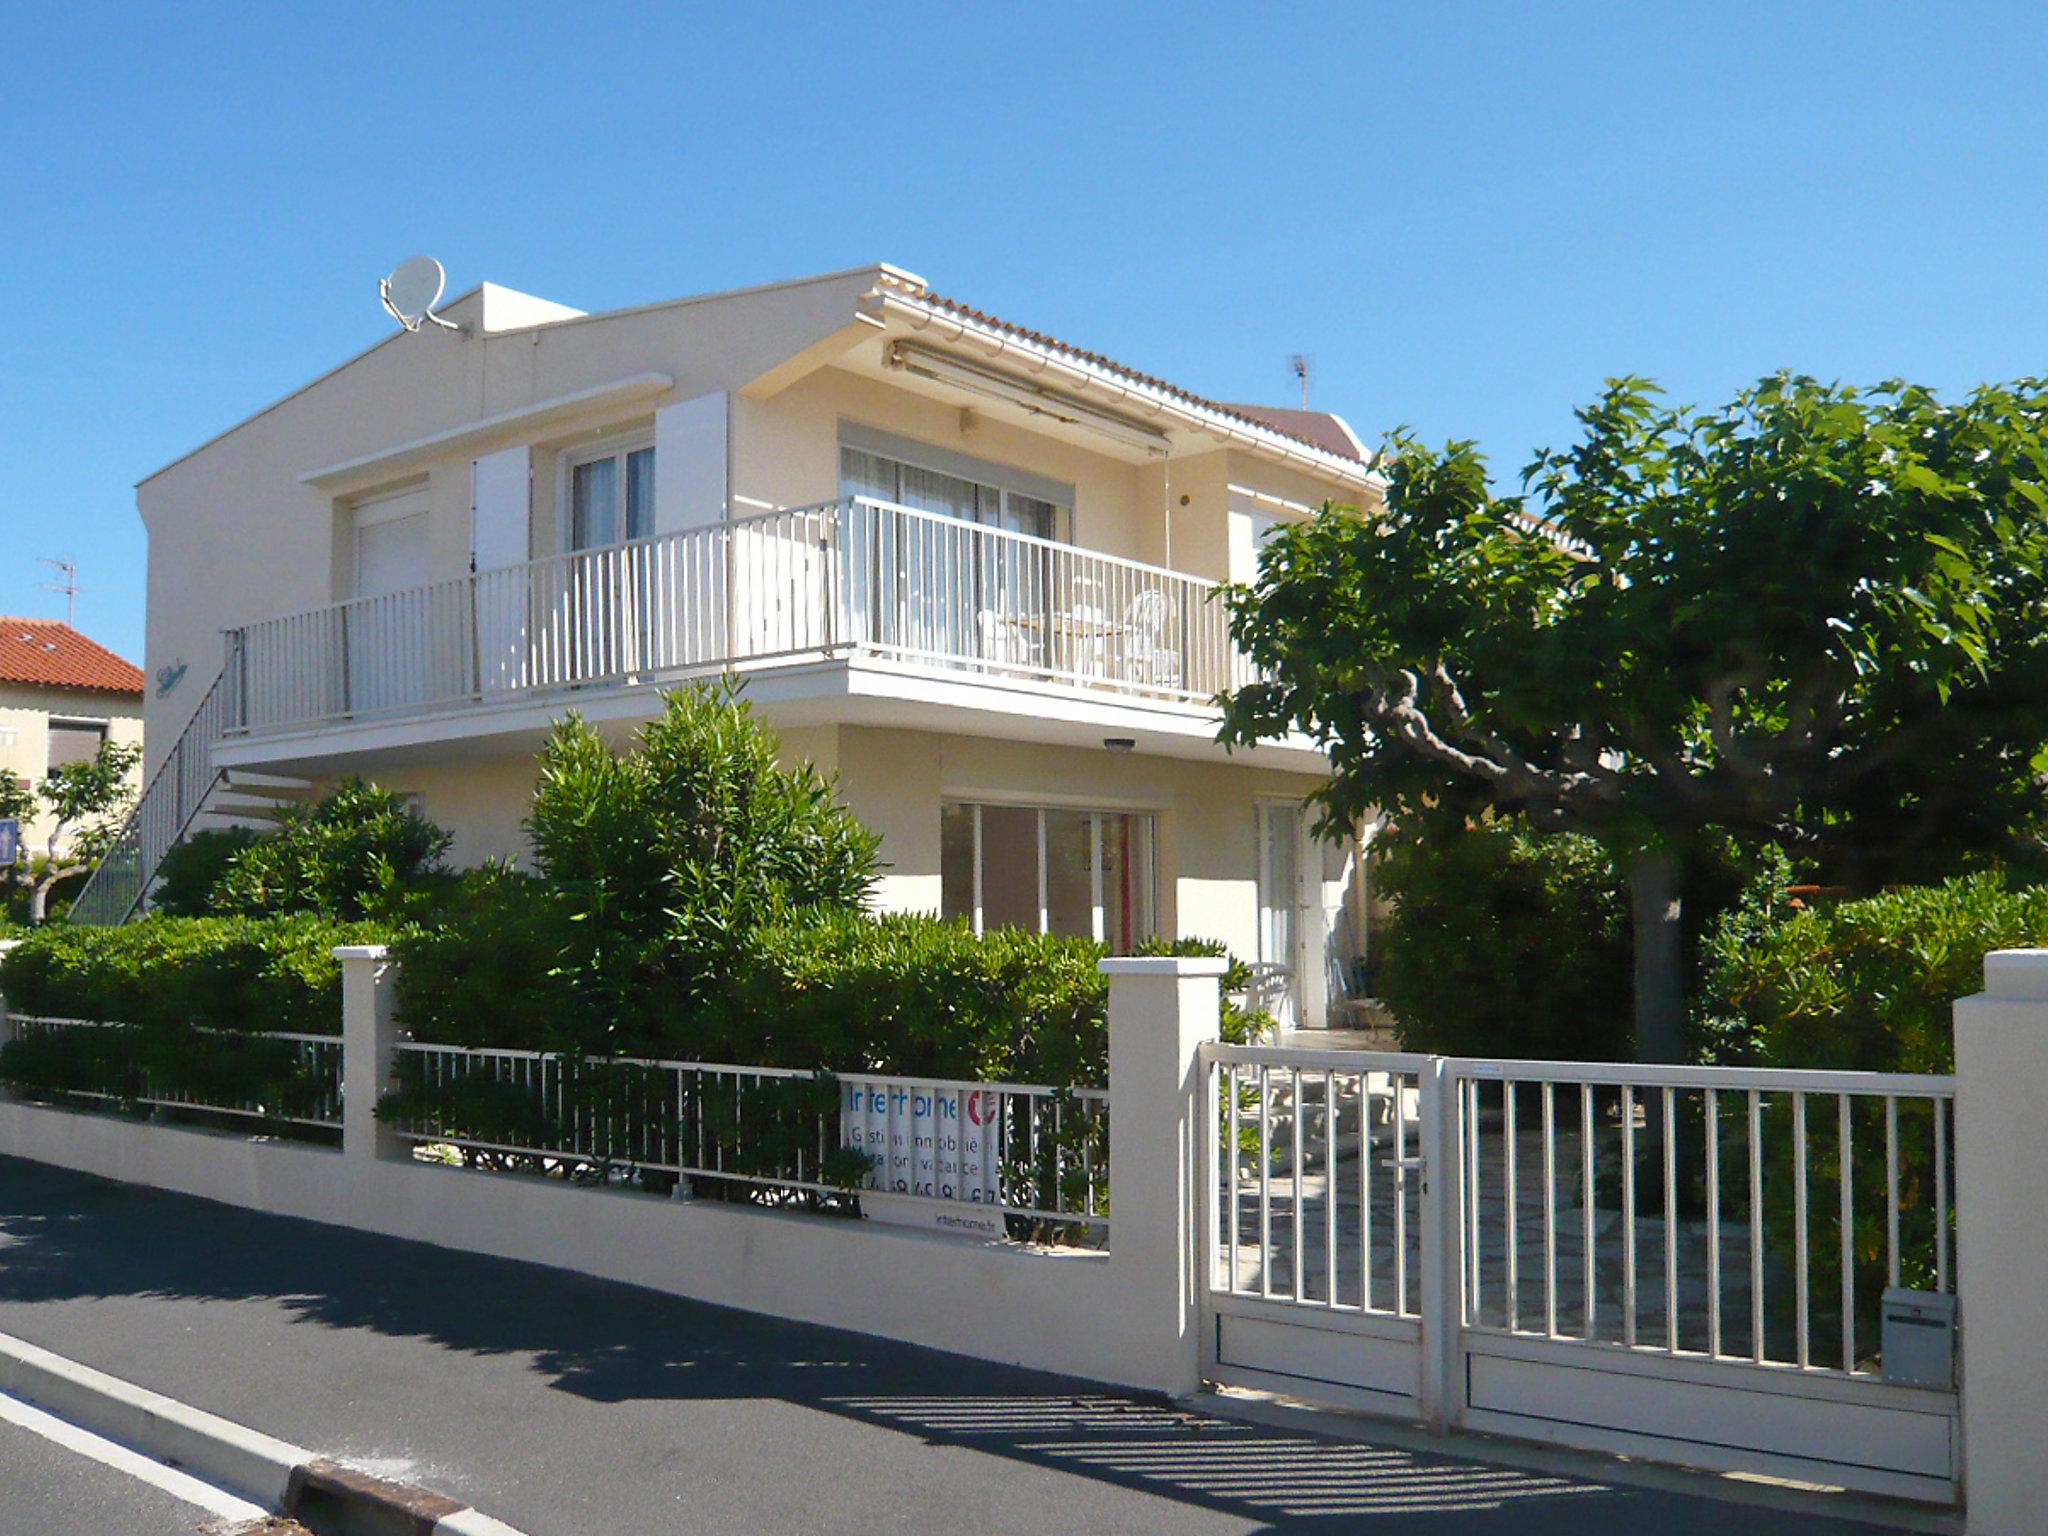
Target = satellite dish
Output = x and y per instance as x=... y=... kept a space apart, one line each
x=412 y=290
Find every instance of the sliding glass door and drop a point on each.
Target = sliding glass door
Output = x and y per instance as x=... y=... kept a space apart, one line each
x=932 y=585
x=1085 y=873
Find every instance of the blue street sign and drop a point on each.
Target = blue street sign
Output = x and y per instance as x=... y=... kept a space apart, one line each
x=10 y=841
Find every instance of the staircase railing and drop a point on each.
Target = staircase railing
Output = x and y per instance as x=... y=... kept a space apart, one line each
x=169 y=804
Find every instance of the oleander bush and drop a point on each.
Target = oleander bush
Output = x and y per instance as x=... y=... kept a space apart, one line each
x=347 y=855
x=192 y=870
x=1862 y=985
x=187 y=1003
x=1856 y=985
x=242 y=974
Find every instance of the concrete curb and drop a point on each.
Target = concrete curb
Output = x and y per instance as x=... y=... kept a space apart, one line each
x=261 y=1467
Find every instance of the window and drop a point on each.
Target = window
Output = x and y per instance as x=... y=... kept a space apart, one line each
x=929 y=479
x=391 y=542
x=610 y=495
x=1088 y=874
x=75 y=741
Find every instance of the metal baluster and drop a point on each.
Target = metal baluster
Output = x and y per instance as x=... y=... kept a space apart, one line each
x=1800 y=1254
x=1756 y=1226
x=1891 y=1187
x=1265 y=1181
x=1670 y=1221
x=1511 y=1235
x=1713 y=1113
x=1586 y=1201
x=1628 y=1215
x=1847 y=1227
x=1549 y=1209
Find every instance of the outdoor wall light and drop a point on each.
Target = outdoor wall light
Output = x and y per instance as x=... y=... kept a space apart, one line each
x=1120 y=744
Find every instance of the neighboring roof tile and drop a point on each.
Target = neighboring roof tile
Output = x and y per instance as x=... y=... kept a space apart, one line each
x=1327 y=432
x=47 y=654
x=1335 y=437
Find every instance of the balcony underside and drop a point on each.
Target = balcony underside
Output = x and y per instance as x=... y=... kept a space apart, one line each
x=832 y=689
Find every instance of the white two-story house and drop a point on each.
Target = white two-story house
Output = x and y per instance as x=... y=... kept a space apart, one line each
x=964 y=566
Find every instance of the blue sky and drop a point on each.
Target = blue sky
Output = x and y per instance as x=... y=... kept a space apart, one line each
x=1468 y=215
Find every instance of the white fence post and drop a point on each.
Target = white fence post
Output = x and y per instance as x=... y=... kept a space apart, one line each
x=368 y=1031
x=1161 y=1011
x=2002 y=1241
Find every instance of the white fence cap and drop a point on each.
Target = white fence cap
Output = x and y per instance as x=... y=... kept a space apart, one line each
x=2016 y=973
x=360 y=951
x=1163 y=965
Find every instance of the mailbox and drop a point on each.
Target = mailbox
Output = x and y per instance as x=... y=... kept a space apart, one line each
x=1920 y=1339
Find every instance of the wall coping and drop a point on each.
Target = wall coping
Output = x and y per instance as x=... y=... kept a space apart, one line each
x=1163 y=965
x=2017 y=973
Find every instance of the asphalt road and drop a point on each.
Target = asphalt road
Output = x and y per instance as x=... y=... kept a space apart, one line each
x=46 y=1489
x=574 y=1407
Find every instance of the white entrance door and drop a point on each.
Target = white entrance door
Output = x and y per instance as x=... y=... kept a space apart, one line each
x=387 y=626
x=1280 y=903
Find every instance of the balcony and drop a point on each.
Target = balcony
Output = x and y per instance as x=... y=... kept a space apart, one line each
x=849 y=579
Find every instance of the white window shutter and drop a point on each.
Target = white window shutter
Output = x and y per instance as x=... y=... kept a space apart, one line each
x=689 y=463
x=500 y=509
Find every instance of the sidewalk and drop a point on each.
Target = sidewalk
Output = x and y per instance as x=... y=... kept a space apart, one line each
x=572 y=1407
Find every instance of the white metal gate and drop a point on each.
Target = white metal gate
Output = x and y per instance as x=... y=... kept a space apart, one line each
x=1685 y=1264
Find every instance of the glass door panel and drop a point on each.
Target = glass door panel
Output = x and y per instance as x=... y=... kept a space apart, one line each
x=1280 y=897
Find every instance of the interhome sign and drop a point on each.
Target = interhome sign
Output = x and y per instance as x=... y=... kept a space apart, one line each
x=935 y=1152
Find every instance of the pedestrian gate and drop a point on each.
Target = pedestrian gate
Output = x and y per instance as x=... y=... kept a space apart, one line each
x=1692 y=1265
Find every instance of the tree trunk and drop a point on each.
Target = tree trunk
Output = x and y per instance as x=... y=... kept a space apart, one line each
x=1653 y=885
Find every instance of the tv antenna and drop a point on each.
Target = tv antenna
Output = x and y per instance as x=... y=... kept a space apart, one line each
x=411 y=292
x=66 y=582
x=1299 y=365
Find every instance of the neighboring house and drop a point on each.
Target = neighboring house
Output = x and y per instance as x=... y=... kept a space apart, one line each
x=965 y=566
x=61 y=696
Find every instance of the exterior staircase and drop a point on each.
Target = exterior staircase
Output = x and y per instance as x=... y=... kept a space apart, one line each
x=186 y=794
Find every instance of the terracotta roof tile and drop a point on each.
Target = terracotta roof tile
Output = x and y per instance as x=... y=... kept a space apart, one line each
x=1315 y=429
x=47 y=654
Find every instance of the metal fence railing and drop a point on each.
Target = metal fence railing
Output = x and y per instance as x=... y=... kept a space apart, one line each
x=1313 y=1197
x=854 y=574
x=167 y=806
x=1733 y=1213
x=296 y=1077
x=1034 y=1153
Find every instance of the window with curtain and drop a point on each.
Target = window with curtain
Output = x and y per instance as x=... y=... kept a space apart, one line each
x=611 y=497
x=862 y=473
x=1049 y=869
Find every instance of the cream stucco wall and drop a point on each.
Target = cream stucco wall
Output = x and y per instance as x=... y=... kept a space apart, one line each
x=761 y=381
x=237 y=535
x=25 y=714
x=895 y=781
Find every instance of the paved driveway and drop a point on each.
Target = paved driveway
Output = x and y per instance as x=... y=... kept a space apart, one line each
x=574 y=1407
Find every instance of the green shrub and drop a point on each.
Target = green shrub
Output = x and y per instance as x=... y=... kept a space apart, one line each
x=1506 y=942
x=343 y=856
x=483 y=966
x=670 y=855
x=247 y=974
x=191 y=870
x=917 y=996
x=1860 y=985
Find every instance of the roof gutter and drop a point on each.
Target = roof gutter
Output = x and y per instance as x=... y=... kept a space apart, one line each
x=1128 y=394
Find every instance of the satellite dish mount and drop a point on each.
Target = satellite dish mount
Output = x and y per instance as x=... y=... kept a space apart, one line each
x=411 y=292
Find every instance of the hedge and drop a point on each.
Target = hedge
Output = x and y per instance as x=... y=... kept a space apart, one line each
x=230 y=973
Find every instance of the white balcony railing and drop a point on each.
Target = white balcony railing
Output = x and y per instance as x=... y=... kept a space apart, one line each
x=852 y=575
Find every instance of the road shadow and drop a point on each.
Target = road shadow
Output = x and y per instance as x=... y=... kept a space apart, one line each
x=67 y=1237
